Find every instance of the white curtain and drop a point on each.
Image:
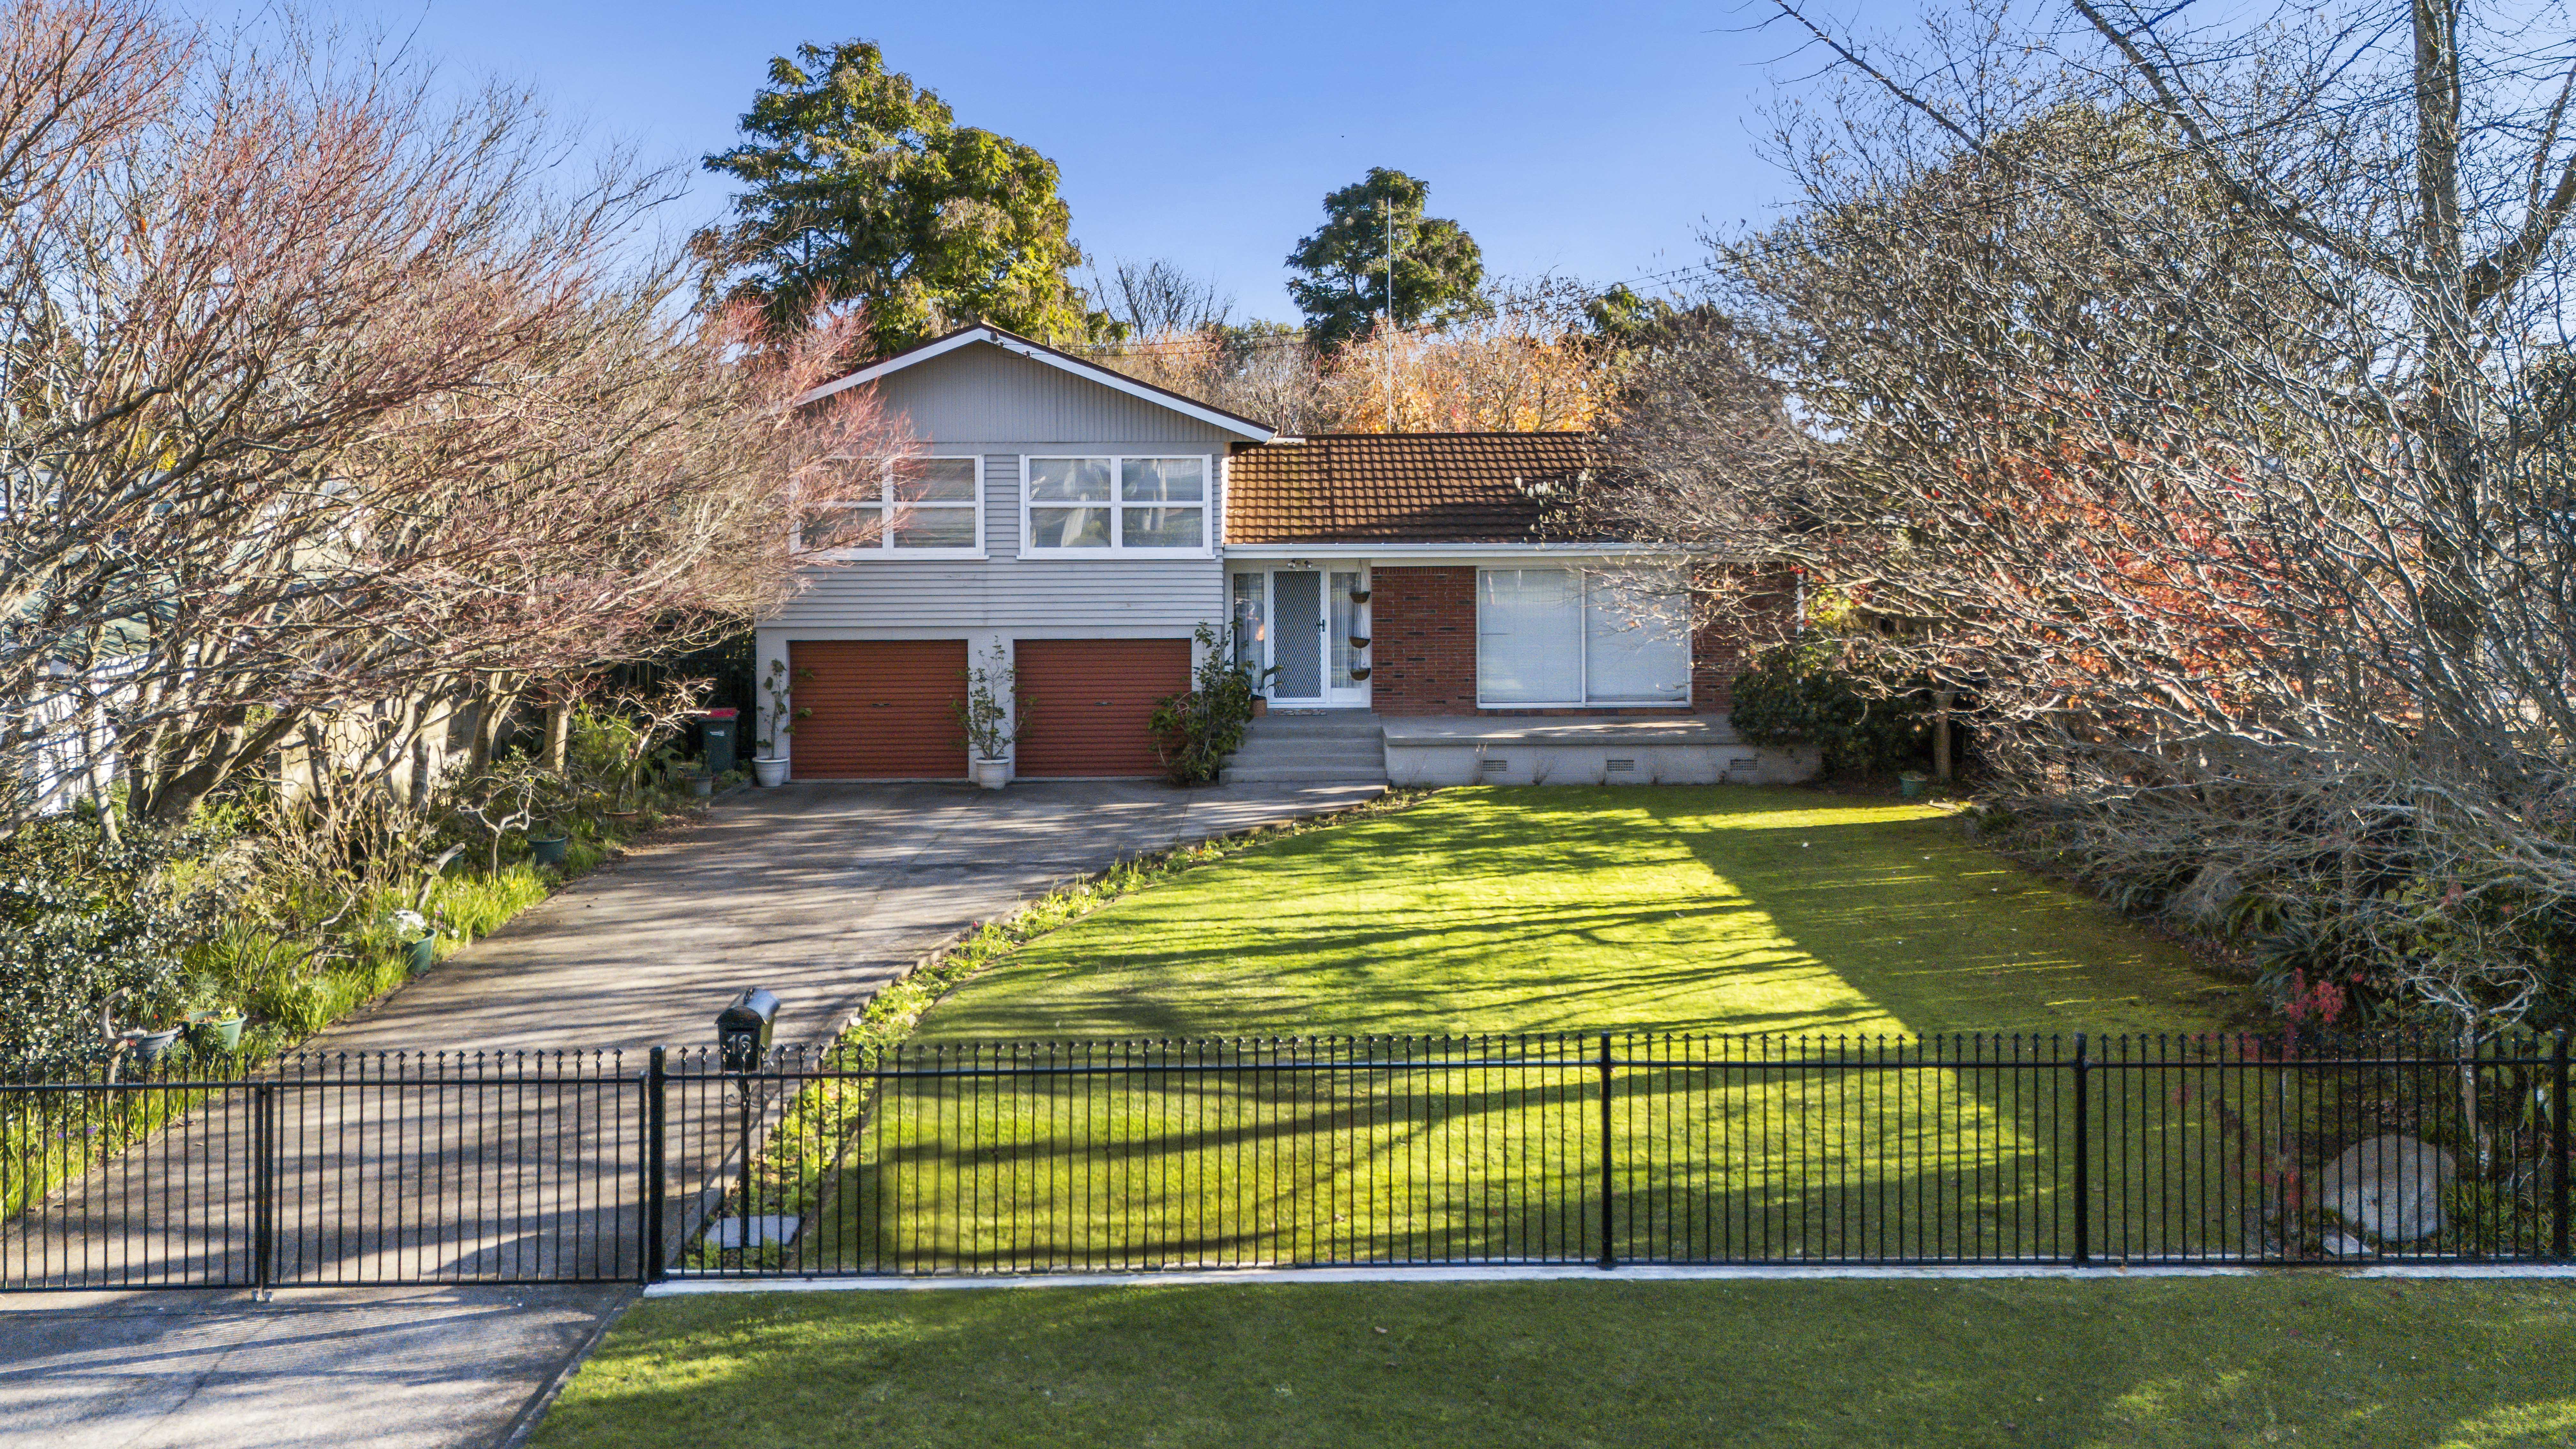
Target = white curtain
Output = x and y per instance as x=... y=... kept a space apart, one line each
x=1636 y=636
x=1529 y=637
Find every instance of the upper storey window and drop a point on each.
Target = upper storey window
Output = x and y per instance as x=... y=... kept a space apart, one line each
x=901 y=508
x=1077 y=506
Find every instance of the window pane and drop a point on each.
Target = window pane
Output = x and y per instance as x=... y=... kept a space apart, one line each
x=1247 y=621
x=862 y=480
x=934 y=528
x=840 y=526
x=1163 y=528
x=1068 y=528
x=1529 y=636
x=1068 y=480
x=935 y=480
x=1164 y=480
x=1636 y=635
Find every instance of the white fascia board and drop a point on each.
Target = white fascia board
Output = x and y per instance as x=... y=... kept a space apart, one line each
x=1431 y=551
x=1113 y=380
x=899 y=362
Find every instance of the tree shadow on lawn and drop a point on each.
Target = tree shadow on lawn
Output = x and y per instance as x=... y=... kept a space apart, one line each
x=1707 y=909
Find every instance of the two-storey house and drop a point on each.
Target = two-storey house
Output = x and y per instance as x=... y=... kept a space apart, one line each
x=1392 y=587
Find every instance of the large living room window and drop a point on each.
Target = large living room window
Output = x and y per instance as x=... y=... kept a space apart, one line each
x=1076 y=506
x=1564 y=638
x=901 y=508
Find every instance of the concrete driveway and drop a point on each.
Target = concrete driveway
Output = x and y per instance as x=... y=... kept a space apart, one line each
x=821 y=892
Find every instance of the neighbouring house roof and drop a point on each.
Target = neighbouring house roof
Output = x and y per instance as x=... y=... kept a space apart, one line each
x=1388 y=488
x=1037 y=351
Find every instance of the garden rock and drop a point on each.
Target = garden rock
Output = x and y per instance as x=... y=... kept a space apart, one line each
x=2390 y=1188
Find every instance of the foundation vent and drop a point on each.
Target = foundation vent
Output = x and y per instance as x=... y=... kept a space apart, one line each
x=1615 y=766
x=1492 y=766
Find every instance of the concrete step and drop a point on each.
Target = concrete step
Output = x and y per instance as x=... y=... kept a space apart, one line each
x=1343 y=724
x=1335 y=748
x=1301 y=774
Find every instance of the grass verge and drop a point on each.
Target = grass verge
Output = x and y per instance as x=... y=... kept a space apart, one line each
x=2114 y=1362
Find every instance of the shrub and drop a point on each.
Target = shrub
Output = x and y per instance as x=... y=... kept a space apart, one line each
x=93 y=935
x=1796 y=695
x=1197 y=730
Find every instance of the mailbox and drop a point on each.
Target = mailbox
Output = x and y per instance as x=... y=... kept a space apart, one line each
x=742 y=1029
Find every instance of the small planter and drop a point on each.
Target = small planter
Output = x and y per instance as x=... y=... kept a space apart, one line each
x=1359 y=596
x=148 y=1046
x=1359 y=641
x=770 y=773
x=991 y=774
x=1911 y=786
x=549 y=849
x=424 y=954
x=216 y=1033
x=702 y=785
x=1260 y=705
x=1360 y=673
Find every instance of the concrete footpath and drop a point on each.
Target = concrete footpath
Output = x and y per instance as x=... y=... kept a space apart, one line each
x=821 y=892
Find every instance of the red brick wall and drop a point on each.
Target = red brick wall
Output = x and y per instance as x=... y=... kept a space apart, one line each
x=1422 y=645
x=1423 y=650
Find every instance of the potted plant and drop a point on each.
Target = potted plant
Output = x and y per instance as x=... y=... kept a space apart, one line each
x=769 y=767
x=419 y=935
x=214 y=1020
x=147 y=1043
x=547 y=844
x=990 y=727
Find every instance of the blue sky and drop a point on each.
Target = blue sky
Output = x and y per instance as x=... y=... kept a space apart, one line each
x=1596 y=140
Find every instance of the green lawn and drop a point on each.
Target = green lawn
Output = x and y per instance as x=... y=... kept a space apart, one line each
x=1535 y=910
x=2279 y=1359
x=1540 y=909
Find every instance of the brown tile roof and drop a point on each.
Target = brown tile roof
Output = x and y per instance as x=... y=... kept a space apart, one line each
x=1399 y=487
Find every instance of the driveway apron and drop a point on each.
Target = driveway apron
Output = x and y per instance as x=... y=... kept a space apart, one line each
x=819 y=892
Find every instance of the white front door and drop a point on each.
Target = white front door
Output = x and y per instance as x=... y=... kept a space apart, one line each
x=1306 y=627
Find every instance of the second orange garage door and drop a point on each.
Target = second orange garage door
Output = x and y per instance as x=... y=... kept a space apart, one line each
x=882 y=708
x=1090 y=700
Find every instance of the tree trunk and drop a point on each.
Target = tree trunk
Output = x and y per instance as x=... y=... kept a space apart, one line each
x=1942 y=699
x=558 y=732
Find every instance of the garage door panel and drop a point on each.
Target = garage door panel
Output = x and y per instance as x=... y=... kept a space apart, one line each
x=1092 y=701
x=881 y=708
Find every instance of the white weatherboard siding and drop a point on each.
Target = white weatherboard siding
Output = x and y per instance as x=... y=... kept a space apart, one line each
x=982 y=400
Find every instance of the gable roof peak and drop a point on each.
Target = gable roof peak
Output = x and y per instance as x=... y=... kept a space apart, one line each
x=1036 y=351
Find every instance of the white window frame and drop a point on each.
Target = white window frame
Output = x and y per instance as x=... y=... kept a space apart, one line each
x=1582 y=651
x=883 y=545
x=1118 y=506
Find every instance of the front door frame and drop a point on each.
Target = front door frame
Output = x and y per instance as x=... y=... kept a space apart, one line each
x=1345 y=695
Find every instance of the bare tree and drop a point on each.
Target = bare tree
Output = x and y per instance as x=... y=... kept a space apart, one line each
x=323 y=393
x=2196 y=395
x=1160 y=299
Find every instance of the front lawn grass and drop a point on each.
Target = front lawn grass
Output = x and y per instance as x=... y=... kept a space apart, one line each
x=1701 y=909
x=2127 y=1362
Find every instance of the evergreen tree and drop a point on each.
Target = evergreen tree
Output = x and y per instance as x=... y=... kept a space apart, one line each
x=1342 y=284
x=859 y=189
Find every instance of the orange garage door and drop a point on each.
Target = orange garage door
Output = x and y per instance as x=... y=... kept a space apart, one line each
x=1089 y=700
x=882 y=708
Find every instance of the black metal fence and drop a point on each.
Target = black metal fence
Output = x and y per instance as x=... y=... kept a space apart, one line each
x=338 y=1169
x=1135 y=1156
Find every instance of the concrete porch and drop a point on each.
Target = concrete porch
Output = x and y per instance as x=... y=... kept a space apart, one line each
x=1577 y=750
x=1348 y=746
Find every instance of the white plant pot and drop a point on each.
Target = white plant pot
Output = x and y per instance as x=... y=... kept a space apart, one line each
x=769 y=772
x=991 y=774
